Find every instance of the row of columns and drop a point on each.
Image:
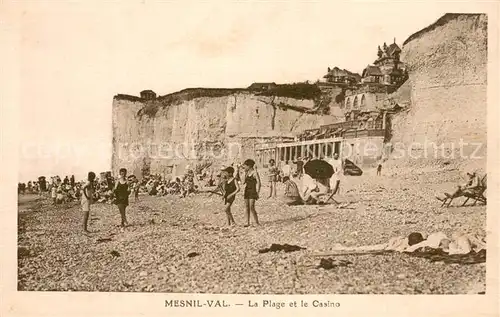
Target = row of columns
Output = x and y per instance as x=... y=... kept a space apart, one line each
x=293 y=152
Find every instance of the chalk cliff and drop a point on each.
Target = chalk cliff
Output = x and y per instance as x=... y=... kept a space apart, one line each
x=446 y=90
x=165 y=136
x=444 y=102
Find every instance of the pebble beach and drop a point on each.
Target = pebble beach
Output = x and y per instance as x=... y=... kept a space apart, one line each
x=183 y=245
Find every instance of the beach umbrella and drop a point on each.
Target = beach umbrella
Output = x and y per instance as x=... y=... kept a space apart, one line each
x=318 y=169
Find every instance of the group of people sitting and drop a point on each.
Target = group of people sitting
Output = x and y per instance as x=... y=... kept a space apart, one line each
x=33 y=187
x=68 y=189
x=300 y=188
x=181 y=186
x=62 y=191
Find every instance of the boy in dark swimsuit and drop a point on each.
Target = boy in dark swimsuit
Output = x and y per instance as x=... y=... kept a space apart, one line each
x=121 y=193
x=230 y=189
x=251 y=180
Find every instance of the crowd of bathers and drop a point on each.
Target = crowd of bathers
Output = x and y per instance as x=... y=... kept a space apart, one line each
x=61 y=191
x=299 y=188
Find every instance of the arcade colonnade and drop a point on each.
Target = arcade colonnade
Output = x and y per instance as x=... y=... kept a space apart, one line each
x=291 y=151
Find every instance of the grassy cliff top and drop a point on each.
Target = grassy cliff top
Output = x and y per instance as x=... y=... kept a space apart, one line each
x=300 y=91
x=296 y=91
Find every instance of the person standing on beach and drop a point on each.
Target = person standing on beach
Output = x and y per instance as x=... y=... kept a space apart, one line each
x=338 y=170
x=251 y=180
x=87 y=199
x=231 y=188
x=136 y=189
x=121 y=193
x=273 y=178
x=286 y=171
x=299 y=167
x=379 y=168
x=53 y=192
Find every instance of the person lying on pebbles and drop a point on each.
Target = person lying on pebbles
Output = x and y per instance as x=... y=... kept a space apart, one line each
x=458 y=244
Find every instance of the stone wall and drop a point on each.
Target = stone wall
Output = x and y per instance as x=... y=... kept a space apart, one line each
x=365 y=101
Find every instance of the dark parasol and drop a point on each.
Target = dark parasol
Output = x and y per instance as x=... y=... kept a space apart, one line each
x=318 y=169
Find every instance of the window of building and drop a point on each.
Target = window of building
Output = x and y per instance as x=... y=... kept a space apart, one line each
x=337 y=148
x=329 y=150
x=355 y=103
x=363 y=101
x=370 y=124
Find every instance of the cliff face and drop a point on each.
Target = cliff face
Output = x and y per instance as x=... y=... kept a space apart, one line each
x=215 y=129
x=444 y=99
x=447 y=64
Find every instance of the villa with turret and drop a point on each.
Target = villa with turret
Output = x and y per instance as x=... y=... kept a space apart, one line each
x=366 y=114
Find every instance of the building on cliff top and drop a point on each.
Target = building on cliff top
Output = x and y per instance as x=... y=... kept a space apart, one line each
x=366 y=112
x=261 y=86
x=387 y=69
x=148 y=95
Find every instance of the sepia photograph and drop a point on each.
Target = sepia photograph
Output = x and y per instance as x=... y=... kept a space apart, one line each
x=249 y=147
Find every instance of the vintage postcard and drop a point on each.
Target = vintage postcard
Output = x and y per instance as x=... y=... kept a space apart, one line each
x=249 y=157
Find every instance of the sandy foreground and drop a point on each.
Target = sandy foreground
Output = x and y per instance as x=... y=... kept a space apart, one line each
x=152 y=254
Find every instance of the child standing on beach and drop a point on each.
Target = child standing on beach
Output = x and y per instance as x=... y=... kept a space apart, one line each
x=53 y=192
x=273 y=178
x=121 y=193
x=136 y=187
x=251 y=180
x=87 y=199
x=231 y=188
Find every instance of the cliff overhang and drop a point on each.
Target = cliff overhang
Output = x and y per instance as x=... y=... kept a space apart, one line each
x=440 y=22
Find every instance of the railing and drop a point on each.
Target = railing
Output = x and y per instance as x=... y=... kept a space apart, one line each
x=355 y=124
x=364 y=133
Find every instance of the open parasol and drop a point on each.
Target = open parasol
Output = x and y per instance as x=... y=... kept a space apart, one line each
x=318 y=169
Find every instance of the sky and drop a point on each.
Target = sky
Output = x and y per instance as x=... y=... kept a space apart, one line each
x=74 y=56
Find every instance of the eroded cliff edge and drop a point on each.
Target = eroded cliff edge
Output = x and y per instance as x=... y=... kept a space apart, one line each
x=446 y=91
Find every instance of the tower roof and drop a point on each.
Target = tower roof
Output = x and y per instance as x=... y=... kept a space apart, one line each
x=393 y=48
